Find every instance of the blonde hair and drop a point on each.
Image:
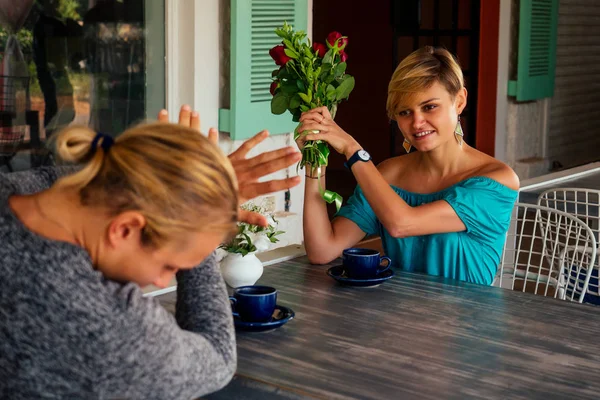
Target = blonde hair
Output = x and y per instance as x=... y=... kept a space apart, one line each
x=174 y=176
x=418 y=71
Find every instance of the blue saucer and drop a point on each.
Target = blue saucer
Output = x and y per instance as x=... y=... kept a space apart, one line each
x=339 y=275
x=281 y=315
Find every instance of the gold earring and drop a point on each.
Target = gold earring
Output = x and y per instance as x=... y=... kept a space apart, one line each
x=407 y=146
x=458 y=132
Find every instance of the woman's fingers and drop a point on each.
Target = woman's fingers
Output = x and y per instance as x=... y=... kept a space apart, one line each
x=195 y=120
x=252 y=190
x=316 y=136
x=163 y=116
x=248 y=145
x=325 y=112
x=253 y=173
x=252 y=218
x=311 y=126
x=213 y=135
x=185 y=115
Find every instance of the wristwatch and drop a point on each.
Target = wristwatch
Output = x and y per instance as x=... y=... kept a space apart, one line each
x=360 y=155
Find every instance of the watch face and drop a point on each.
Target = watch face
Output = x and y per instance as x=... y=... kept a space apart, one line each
x=364 y=155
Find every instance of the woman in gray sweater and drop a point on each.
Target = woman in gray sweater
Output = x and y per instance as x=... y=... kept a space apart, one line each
x=74 y=253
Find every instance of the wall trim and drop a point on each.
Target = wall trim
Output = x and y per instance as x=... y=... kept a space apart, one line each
x=487 y=79
x=502 y=84
x=171 y=52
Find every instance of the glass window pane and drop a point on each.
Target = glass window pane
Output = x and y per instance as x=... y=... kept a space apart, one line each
x=98 y=63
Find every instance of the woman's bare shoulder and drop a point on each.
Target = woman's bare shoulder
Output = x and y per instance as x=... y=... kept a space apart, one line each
x=392 y=168
x=498 y=171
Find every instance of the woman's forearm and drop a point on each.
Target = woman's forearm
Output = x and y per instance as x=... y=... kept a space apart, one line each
x=391 y=210
x=318 y=232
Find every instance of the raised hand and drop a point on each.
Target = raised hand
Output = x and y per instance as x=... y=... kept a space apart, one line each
x=320 y=126
x=248 y=170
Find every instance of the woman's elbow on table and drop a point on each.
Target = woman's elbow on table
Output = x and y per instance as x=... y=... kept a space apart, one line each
x=316 y=257
x=397 y=228
x=216 y=380
x=398 y=233
x=223 y=379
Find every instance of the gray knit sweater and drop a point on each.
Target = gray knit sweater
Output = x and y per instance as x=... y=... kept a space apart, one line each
x=68 y=332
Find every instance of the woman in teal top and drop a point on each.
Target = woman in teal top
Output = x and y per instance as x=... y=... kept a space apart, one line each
x=443 y=209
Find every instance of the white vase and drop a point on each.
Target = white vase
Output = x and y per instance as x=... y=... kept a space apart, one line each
x=238 y=270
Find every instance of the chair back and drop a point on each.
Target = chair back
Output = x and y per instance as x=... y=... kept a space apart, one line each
x=585 y=205
x=547 y=252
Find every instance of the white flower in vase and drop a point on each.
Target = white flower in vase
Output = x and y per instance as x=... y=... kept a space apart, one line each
x=240 y=266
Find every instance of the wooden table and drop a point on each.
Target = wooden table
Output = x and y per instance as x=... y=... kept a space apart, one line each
x=416 y=336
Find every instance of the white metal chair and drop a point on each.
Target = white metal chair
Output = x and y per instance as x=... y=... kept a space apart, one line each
x=547 y=252
x=585 y=205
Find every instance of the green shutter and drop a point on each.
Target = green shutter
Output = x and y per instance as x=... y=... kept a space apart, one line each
x=536 y=63
x=253 y=24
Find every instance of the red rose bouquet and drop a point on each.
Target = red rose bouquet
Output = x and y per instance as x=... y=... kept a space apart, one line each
x=310 y=76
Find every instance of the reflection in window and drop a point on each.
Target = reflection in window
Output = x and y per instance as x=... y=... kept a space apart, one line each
x=92 y=62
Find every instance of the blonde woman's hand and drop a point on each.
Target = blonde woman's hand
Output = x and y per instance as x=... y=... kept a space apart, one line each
x=319 y=119
x=187 y=117
x=248 y=170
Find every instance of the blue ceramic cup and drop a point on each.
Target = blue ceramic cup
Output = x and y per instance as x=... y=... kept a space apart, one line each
x=364 y=263
x=254 y=303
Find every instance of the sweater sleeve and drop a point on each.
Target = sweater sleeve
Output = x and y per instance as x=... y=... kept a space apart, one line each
x=153 y=355
x=37 y=179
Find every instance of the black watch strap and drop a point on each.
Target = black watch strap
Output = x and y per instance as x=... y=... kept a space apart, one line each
x=360 y=155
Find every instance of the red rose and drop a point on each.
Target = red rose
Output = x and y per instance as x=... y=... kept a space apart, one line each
x=278 y=54
x=336 y=39
x=320 y=49
x=343 y=56
x=333 y=37
x=273 y=88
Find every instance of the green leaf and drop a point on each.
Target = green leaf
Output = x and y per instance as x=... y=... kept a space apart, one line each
x=279 y=103
x=295 y=102
x=284 y=74
x=325 y=70
x=343 y=91
x=304 y=108
x=304 y=97
x=275 y=73
x=328 y=57
x=324 y=150
x=301 y=86
x=289 y=88
x=288 y=44
x=296 y=117
x=291 y=53
x=340 y=69
x=330 y=92
x=320 y=93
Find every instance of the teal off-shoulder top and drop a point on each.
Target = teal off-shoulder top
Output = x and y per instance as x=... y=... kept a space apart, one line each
x=484 y=206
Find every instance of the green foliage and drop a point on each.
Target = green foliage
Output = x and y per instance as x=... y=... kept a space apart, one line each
x=309 y=81
x=69 y=9
x=246 y=239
